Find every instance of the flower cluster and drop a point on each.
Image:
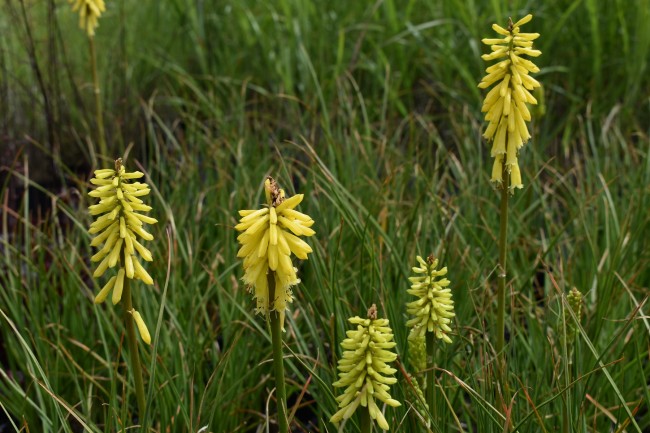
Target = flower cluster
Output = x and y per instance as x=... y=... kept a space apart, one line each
x=364 y=368
x=269 y=236
x=118 y=229
x=434 y=308
x=89 y=13
x=575 y=302
x=505 y=105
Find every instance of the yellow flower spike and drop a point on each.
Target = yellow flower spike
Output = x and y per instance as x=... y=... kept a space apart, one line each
x=268 y=238
x=434 y=308
x=364 y=370
x=505 y=104
x=89 y=13
x=117 y=228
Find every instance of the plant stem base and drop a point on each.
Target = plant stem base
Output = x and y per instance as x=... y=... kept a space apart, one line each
x=278 y=361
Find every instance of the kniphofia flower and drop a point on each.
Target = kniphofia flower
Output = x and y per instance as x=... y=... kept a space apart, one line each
x=364 y=370
x=89 y=13
x=434 y=308
x=269 y=236
x=505 y=105
x=574 y=297
x=117 y=231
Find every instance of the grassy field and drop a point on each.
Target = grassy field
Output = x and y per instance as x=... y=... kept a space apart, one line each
x=372 y=110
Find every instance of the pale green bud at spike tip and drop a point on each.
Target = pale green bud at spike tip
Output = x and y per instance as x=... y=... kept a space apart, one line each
x=574 y=297
x=433 y=309
x=269 y=236
x=89 y=13
x=364 y=370
x=117 y=228
x=505 y=104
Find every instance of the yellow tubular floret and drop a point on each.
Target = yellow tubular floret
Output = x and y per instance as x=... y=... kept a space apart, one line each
x=142 y=327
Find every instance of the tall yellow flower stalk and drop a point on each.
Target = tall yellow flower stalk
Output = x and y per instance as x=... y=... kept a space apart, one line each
x=505 y=105
x=118 y=229
x=269 y=237
x=364 y=371
x=507 y=114
x=89 y=13
x=431 y=313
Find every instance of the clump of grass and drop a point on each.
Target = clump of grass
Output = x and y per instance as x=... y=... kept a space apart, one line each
x=382 y=131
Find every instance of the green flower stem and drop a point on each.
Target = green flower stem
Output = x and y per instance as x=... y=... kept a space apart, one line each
x=501 y=288
x=366 y=424
x=431 y=374
x=133 y=348
x=99 y=116
x=501 y=270
x=278 y=361
x=569 y=356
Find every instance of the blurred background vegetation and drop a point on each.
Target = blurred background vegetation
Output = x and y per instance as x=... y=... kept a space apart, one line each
x=372 y=110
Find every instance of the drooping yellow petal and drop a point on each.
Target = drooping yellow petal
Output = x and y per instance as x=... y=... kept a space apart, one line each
x=119 y=286
x=142 y=327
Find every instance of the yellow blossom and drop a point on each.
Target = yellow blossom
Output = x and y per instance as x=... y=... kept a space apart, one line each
x=505 y=104
x=117 y=229
x=434 y=308
x=269 y=236
x=89 y=13
x=364 y=370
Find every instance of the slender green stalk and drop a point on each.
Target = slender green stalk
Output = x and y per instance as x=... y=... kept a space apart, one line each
x=99 y=116
x=278 y=361
x=501 y=271
x=567 y=360
x=502 y=373
x=565 y=415
x=366 y=424
x=133 y=348
x=431 y=374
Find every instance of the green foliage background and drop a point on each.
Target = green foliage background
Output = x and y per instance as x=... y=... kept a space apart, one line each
x=371 y=110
